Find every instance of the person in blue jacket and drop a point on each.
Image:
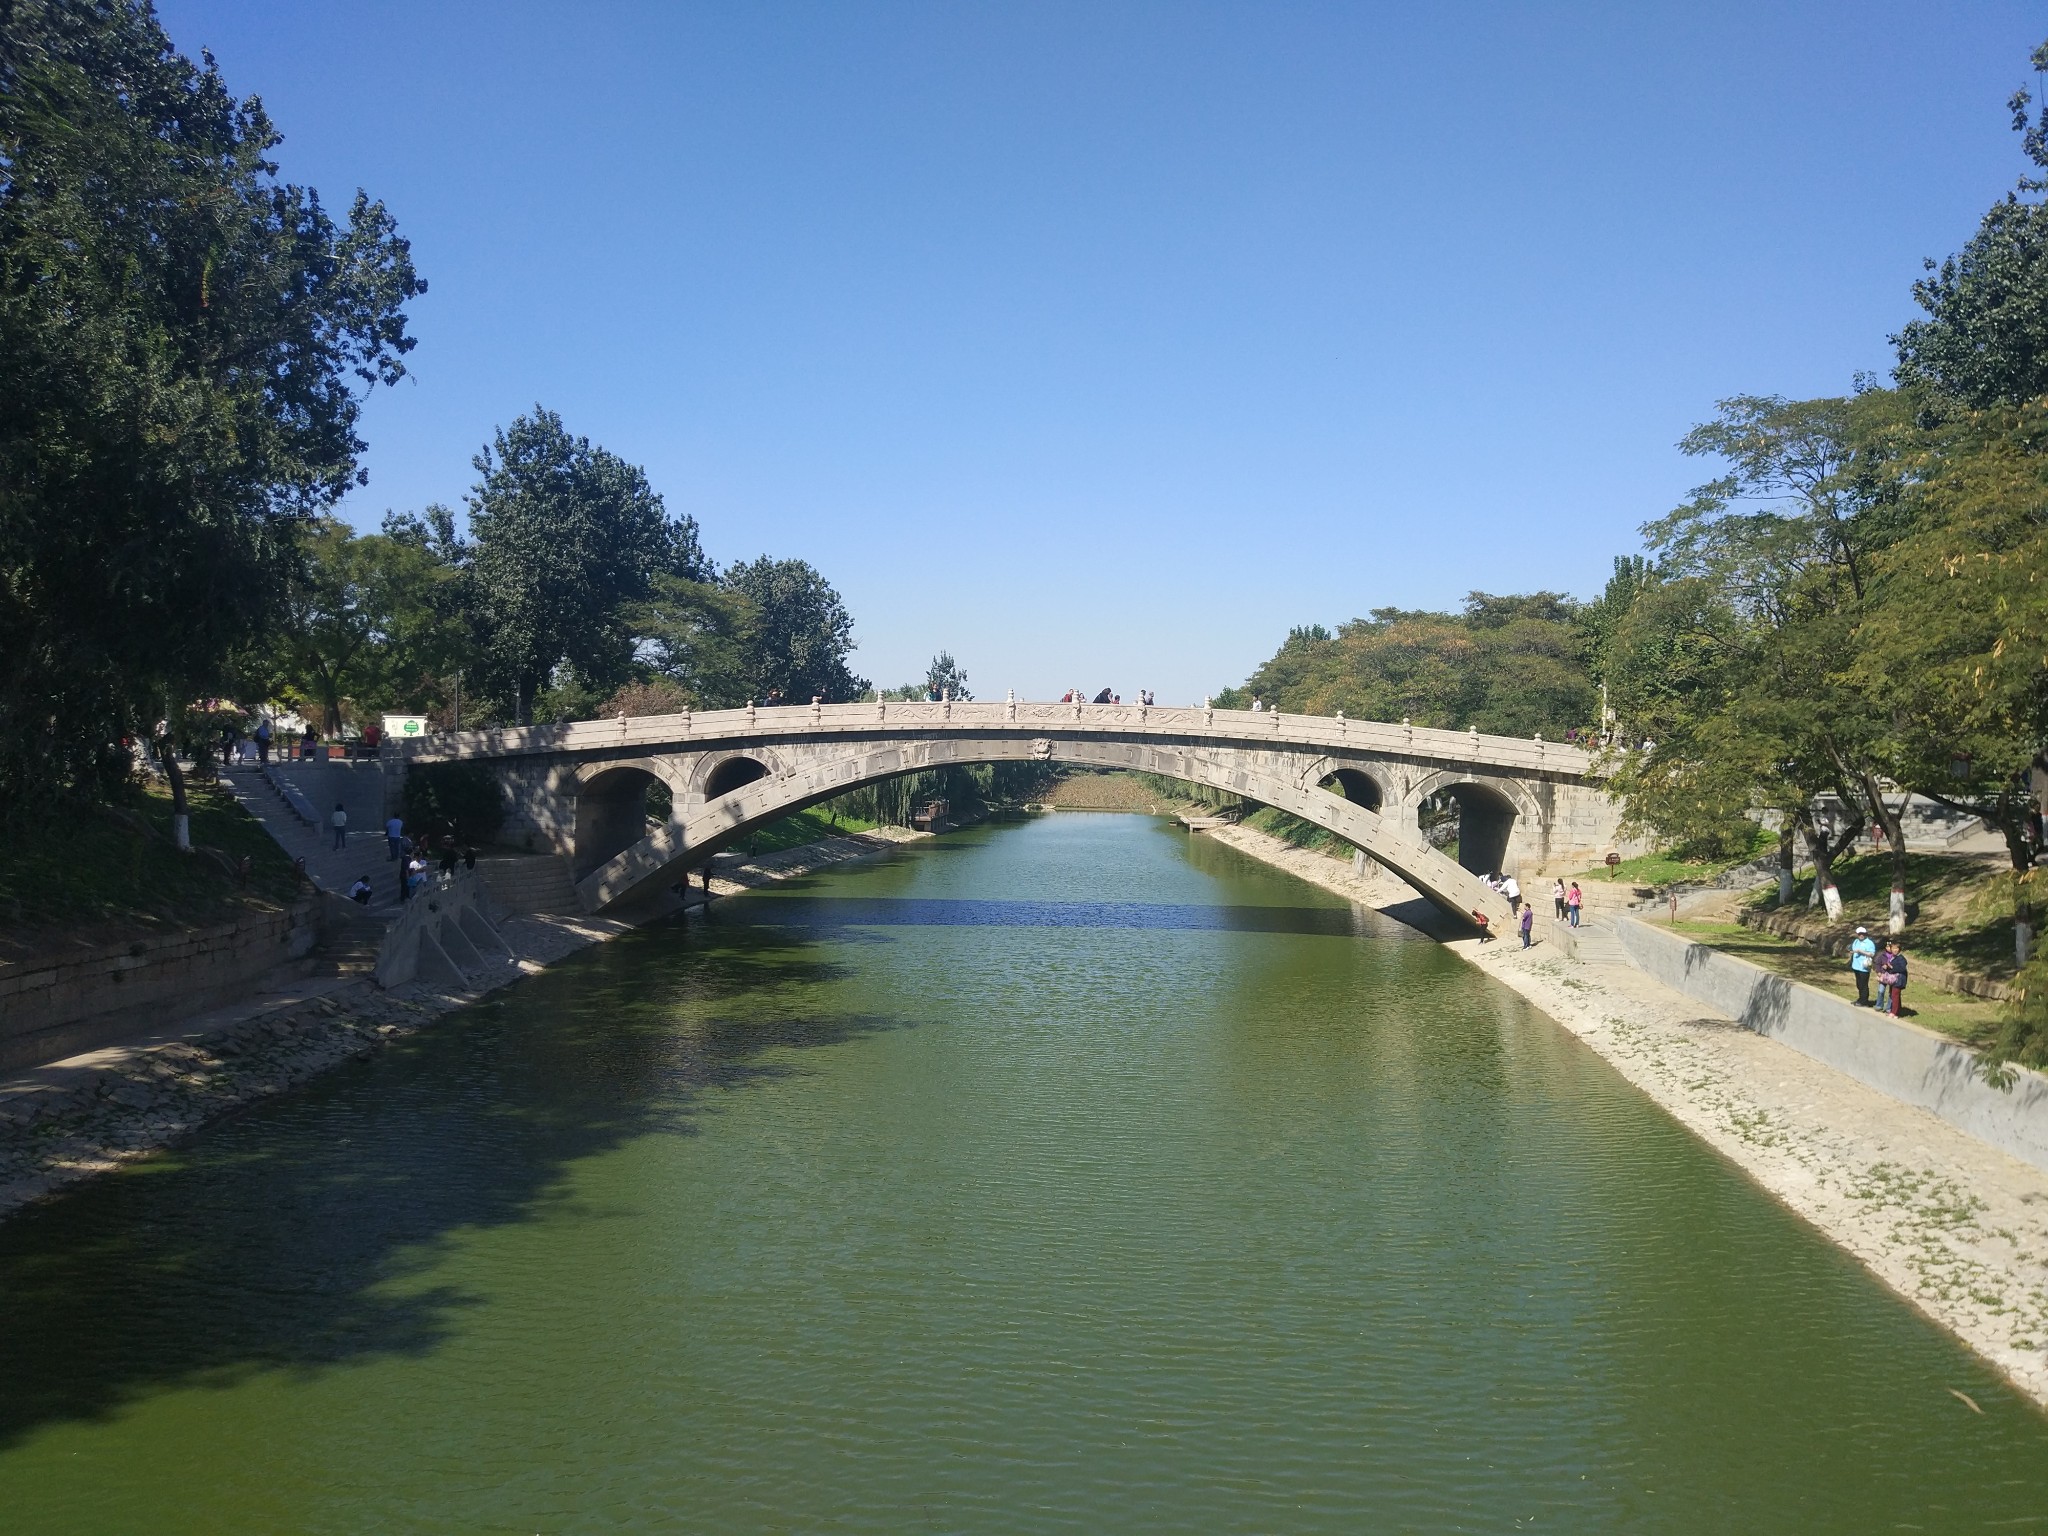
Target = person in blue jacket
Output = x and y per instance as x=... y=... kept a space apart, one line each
x=1862 y=955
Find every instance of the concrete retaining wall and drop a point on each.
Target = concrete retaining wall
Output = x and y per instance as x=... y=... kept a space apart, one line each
x=81 y=1001
x=1893 y=1056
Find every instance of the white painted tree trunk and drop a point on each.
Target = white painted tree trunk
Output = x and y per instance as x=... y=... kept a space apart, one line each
x=181 y=833
x=1784 y=887
x=1895 y=915
x=1833 y=899
x=2022 y=942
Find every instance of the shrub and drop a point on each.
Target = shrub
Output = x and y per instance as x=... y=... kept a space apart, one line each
x=458 y=798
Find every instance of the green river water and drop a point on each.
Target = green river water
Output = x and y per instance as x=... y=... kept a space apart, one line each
x=1065 y=1176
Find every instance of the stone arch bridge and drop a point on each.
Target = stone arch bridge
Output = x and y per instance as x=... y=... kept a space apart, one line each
x=581 y=789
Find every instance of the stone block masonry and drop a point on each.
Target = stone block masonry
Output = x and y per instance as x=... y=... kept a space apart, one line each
x=78 y=1002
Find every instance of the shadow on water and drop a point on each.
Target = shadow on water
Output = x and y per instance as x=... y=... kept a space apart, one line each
x=832 y=912
x=292 y=1236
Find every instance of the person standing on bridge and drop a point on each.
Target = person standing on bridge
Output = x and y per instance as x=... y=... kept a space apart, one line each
x=394 y=838
x=339 y=822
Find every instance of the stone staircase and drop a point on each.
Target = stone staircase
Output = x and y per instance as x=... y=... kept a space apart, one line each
x=351 y=938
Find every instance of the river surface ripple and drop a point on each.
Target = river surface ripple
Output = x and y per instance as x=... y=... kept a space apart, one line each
x=1068 y=1176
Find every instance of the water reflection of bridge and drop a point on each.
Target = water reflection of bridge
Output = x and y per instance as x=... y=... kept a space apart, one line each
x=581 y=789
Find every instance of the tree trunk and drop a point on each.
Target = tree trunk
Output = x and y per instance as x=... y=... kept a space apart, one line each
x=1788 y=858
x=181 y=810
x=1824 y=857
x=1894 y=825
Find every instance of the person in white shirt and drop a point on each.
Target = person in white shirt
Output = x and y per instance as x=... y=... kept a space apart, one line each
x=1513 y=891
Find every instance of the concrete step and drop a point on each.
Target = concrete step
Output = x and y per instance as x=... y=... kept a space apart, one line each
x=1591 y=943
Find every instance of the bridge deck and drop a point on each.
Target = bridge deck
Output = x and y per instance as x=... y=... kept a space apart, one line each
x=1236 y=727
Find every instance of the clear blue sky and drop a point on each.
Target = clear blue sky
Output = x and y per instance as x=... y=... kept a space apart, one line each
x=1100 y=343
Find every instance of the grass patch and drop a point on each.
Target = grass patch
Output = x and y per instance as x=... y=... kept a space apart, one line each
x=1971 y=1020
x=82 y=875
x=1299 y=833
x=1960 y=906
x=804 y=827
x=1678 y=866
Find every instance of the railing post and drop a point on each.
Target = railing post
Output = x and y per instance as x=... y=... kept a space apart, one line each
x=817 y=709
x=686 y=721
x=750 y=712
x=1208 y=711
x=1010 y=706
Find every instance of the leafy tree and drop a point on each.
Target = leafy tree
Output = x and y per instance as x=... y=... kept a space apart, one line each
x=1733 y=660
x=366 y=621
x=1985 y=339
x=696 y=635
x=182 y=336
x=459 y=800
x=567 y=540
x=1513 y=665
x=945 y=678
x=800 y=634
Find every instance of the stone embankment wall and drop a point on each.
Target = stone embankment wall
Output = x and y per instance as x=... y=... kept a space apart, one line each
x=1893 y=1056
x=81 y=1001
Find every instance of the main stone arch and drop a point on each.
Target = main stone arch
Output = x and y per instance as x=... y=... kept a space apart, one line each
x=1280 y=778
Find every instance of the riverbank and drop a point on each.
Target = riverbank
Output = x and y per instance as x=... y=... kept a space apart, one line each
x=90 y=1114
x=1957 y=1229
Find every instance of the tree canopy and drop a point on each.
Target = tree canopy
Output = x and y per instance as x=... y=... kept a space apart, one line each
x=1513 y=665
x=567 y=538
x=183 y=339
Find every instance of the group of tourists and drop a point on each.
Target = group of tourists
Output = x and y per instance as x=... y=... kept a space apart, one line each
x=1106 y=696
x=410 y=855
x=1565 y=900
x=1886 y=967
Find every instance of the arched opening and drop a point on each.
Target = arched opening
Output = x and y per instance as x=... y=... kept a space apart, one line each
x=732 y=774
x=611 y=816
x=1473 y=820
x=1355 y=785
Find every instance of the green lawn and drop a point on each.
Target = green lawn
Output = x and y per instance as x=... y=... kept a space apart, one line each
x=82 y=874
x=1961 y=906
x=1971 y=1020
x=803 y=827
x=1675 y=866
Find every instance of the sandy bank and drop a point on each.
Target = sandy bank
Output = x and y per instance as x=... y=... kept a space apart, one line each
x=1958 y=1229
